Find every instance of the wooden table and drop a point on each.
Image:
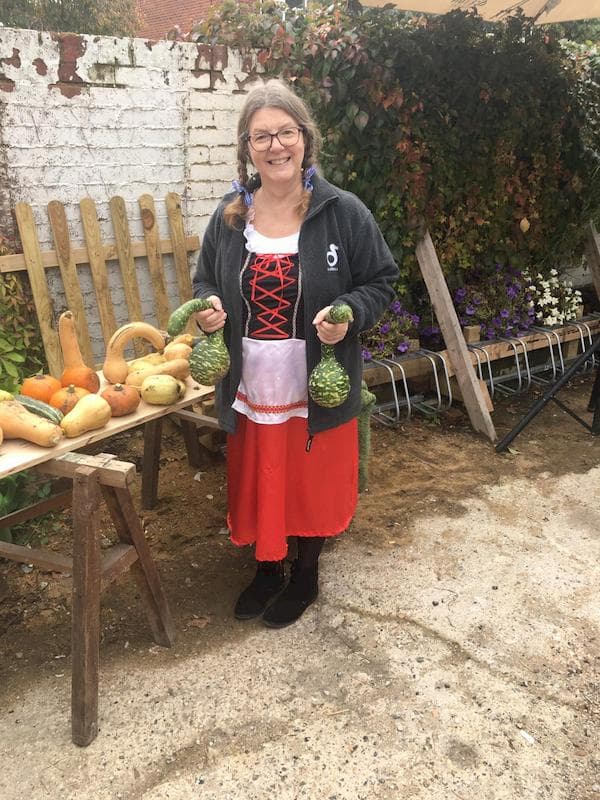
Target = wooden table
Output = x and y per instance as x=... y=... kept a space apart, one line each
x=95 y=478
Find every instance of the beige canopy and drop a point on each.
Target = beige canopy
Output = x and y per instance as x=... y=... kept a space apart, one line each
x=543 y=10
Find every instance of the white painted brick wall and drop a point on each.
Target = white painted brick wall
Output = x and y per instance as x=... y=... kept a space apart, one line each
x=142 y=122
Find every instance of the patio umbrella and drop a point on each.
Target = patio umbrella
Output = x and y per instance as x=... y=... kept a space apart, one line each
x=543 y=11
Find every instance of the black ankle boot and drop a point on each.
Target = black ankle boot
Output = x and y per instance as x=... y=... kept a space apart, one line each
x=301 y=591
x=266 y=584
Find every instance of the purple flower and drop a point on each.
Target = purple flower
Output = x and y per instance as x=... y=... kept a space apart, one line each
x=366 y=355
x=505 y=314
x=469 y=310
x=513 y=290
x=402 y=347
x=396 y=307
x=460 y=294
x=385 y=328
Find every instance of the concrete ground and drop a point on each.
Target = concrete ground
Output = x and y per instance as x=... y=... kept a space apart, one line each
x=464 y=663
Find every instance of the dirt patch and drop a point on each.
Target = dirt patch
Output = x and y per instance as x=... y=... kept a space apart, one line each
x=414 y=468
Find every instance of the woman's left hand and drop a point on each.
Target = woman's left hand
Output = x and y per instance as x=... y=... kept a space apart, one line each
x=329 y=332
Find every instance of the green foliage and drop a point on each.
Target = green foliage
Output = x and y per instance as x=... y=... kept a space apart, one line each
x=17 y=492
x=108 y=17
x=480 y=132
x=584 y=31
x=21 y=350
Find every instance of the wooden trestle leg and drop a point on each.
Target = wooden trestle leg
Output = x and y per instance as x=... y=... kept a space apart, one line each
x=86 y=605
x=150 y=463
x=130 y=532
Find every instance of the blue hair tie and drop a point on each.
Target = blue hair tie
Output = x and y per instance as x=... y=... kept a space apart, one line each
x=239 y=187
x=308 y=176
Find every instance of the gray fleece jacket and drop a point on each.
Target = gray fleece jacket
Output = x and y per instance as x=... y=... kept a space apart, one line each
x=343 y=258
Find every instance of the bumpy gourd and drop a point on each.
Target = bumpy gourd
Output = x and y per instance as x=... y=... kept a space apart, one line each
x=367 y=402
x=329 y=383
x=209 y=359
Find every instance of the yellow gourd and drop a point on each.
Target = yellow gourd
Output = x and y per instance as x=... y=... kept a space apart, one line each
x=90 y=413
x=178 y=368
x=162 y=390
x=115 y=366
x=17 y=422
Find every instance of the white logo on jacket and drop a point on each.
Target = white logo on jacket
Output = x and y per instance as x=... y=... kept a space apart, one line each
x=332 y=258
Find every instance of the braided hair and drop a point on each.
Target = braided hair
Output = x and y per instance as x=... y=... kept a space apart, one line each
x=272 y=94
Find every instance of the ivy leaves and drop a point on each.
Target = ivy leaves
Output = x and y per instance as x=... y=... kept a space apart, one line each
x=21 y=351
x=452 y=123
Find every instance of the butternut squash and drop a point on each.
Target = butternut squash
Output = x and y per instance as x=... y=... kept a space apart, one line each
x=177 y=350
x=178 y=368
x=76 y=371
x=186 y=338
x=17 y=422
x=115 y=366
x=146 y=361
x=90 y=413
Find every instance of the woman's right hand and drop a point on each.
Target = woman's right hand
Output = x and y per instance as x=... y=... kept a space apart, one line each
x=213 y=318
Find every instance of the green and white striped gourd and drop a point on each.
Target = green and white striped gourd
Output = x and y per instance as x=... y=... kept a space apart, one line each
x=209 y=359
x=40 y=408
x=329 y=383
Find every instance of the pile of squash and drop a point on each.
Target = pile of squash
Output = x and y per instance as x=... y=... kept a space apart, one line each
x=48 y=409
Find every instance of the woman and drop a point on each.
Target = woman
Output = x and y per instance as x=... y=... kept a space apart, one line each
x=277 y=253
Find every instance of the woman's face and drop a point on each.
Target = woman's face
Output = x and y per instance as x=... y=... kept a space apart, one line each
x=279 y=163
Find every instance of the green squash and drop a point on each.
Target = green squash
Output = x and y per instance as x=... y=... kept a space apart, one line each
x=329 y=383
x=209 y=359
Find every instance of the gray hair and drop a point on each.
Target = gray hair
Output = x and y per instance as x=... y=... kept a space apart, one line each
x=276 y=94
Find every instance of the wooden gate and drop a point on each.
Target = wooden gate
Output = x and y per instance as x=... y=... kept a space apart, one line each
x=96 y=254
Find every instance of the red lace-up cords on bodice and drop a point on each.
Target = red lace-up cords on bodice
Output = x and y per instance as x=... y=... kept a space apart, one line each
x=265 y=267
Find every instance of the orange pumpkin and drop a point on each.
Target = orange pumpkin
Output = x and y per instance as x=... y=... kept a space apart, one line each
x=76 y=371
x=121 y=399
x=82 y=376
x=67 y=398
x=40 y=387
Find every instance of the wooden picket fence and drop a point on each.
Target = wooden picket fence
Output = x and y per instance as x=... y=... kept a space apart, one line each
x=96 y=254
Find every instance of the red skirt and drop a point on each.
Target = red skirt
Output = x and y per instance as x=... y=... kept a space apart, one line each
x=277 y=489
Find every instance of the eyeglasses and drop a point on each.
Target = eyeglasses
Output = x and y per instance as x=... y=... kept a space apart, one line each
x=287 y=137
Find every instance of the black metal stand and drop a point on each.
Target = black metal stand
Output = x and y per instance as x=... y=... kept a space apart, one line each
x=549 y=394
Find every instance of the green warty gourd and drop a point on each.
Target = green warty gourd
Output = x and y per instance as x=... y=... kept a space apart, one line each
x=209 y=359
x=329 y=383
